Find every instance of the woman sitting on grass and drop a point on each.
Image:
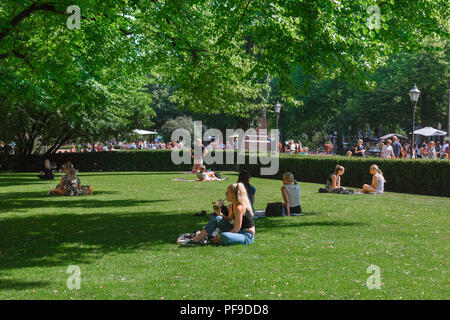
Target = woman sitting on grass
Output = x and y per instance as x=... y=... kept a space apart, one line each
x=70 y=184
x=242 y=231
x=334 y=180
x=377 y=186
x=292 y=195
x=46 y=173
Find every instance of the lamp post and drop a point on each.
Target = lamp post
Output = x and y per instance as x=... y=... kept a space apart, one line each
x=277 y=112
x=414 y=94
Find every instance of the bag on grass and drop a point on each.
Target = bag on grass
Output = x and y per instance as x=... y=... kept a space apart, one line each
x=275 y=209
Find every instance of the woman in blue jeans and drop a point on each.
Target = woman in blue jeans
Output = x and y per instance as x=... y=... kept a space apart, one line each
x=242 y=231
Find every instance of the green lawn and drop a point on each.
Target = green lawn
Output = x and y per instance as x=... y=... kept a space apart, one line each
x=123 y=240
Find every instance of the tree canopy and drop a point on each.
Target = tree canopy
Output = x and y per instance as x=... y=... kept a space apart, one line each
x=57 y=83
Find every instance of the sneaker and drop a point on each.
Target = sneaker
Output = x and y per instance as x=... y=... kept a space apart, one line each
x=297 y=214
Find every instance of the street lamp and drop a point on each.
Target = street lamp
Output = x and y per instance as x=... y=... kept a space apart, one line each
x=414 y=94
x=277 y=111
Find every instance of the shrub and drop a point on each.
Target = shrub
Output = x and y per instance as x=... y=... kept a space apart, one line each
x=428 y=177
x=417 y=176
x=137 y=160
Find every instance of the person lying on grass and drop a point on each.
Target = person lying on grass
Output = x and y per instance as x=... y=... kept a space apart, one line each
x=204 y=175
x=292 y=195
x=377 y=186
x=70 y=184
x=242 y=231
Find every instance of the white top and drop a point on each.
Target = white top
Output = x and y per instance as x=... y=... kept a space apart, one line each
x=380 y=183
x=294 y=194
x=386 y=152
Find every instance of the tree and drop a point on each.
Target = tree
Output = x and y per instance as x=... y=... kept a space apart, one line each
x=218 y=56
x=58 y=84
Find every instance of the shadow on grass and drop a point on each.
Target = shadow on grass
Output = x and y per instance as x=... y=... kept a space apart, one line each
x=40 y=194
x=65 y=239
x=10 y=180
x=16 y=202
x=21 y=285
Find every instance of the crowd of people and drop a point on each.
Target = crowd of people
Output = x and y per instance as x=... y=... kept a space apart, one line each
x=393 y=149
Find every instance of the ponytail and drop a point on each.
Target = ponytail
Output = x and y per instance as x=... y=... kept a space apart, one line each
x=377 y=170
x=338 y=168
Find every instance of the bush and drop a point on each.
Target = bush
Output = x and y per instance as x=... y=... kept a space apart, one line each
x=138 y=160
x=428 y=177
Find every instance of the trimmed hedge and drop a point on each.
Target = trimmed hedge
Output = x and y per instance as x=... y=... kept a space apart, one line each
x=140 y=160
x=417 y=176
x=428 y=177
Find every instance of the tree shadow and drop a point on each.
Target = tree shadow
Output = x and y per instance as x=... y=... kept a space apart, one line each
x=18 y=203
x=64 y=239
x=21 y=285
x=40 y=194
x=20 y=180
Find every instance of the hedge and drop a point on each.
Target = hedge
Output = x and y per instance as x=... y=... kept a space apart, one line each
x=428 y=177
x=139 y=160
x=416 y=176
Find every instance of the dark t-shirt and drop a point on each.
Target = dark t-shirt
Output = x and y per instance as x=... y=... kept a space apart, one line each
x=359 y=148
x=396 y=147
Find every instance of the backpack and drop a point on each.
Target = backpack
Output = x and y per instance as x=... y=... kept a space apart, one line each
x=275 y=209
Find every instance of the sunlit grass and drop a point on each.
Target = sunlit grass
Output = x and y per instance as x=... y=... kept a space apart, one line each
x=123 y=240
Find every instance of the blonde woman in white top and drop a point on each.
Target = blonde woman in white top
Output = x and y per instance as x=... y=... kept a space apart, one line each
x=292 y=195
x=377 y=186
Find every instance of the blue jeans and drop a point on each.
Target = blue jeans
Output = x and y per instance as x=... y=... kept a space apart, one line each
x=242 y=237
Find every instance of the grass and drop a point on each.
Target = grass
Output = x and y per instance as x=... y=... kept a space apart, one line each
x=123 y=240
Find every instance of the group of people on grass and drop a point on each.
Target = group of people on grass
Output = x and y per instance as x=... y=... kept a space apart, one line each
x=69 y=184
x=237 y=220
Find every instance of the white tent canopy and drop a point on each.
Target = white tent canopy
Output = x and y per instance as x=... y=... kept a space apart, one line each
x=144 y=132
x=430 y=132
